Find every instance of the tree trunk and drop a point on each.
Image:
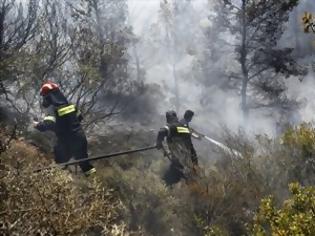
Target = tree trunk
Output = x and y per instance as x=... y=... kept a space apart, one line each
x=138 y=68
x=244 y=98
x=243 y=60
x=297 y=26
x=177 y=102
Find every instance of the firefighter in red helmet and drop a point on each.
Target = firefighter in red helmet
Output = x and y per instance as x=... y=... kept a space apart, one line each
x=63 y=119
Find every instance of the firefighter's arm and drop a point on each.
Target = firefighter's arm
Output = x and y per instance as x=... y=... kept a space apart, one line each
x=48 y=122
x=195 y=134
x=79 y=114
x=160 y=138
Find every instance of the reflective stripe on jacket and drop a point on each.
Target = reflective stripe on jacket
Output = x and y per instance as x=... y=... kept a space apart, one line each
x=63 y=120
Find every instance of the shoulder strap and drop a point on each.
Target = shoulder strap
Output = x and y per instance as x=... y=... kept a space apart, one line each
x=168 y=130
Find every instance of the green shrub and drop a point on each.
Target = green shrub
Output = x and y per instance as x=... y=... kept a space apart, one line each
x=295 y=217
x=300 y=140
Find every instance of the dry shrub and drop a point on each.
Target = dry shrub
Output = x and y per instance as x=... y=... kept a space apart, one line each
x=224 y=197
x=229 y=191
x=150 y=206
x=52 y=202
x=286 y=159
x=236 y=185
x=221 y=200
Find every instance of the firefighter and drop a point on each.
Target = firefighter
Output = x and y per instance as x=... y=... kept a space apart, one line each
x=63 y=119
x=188 y=115
x=181 y=150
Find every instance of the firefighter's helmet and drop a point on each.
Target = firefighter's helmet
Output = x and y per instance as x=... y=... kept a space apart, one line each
x=47 y=87
x=171 y=116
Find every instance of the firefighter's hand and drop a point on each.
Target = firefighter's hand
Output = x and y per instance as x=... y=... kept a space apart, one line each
x=196 y=136
x=35 y=123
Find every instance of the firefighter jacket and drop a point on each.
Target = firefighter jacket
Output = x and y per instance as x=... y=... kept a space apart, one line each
x=179 y=143
x=184 y=122
x=62 y=117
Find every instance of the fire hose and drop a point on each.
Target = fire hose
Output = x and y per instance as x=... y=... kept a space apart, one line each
x=94 y=158
x=225 y=148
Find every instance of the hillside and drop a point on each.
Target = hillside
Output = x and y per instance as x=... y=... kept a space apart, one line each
x=128 y=196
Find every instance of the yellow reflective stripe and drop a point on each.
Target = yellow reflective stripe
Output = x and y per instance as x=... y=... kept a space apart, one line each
x=182 y=130
x=66 y=110
x=50 y=118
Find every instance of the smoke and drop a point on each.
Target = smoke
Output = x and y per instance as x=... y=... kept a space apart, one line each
x=156 y=55
x=214 y=106
x=303 y=92
x=302 y=89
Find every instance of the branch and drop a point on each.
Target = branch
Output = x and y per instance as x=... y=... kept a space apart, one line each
x=5 y=146
x=72 y=92
x=11 y=102
x=258 y=72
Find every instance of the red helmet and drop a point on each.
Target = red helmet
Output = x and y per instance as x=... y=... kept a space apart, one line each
x=48 y=87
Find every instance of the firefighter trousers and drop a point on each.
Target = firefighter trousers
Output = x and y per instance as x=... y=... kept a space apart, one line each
x=73 y=146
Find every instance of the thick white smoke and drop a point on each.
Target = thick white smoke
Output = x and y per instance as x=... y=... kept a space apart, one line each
x=223 y=108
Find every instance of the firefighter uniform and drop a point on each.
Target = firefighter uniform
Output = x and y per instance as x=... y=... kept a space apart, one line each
x=185 y=122
x=182 y=153
x=63 y=118
x=187 y=118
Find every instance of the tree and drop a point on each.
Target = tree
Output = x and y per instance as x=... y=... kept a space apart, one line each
x=99 y=37
x=177 y=25
x=18 y=25
x=49 y=53
x=256 y=27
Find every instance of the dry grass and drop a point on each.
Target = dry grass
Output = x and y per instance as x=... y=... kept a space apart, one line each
x=52 y=202
x=128 y=197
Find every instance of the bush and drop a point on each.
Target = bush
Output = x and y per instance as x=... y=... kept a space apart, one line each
x=236 y=185
x=296 y=217
x=287 y=159
x=129 y=196
x=52 y=202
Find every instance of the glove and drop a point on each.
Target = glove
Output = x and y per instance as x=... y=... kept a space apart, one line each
x=196 y=136
x=79 y=116
x=38 y=125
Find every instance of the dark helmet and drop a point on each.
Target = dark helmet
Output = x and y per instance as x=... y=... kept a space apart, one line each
x=171 y=116
x=188 y=115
